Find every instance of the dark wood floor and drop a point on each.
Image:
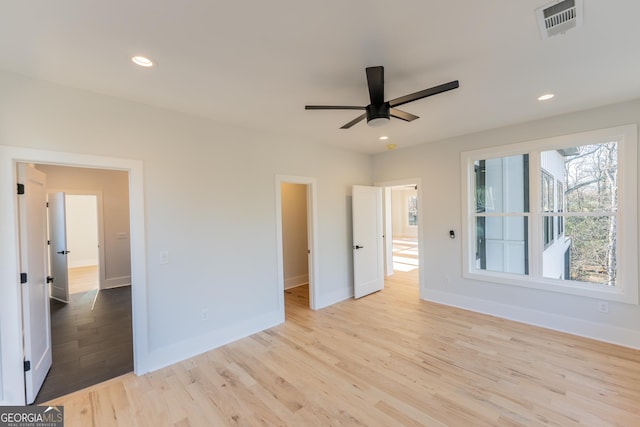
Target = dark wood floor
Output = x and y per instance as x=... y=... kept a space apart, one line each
x=89 y=346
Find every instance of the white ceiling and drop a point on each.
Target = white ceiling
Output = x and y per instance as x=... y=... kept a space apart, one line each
x=257 y=63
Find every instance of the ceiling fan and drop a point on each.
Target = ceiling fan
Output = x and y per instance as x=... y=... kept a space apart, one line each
x=379 y=111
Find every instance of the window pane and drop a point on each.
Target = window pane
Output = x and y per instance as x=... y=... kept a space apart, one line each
x=501 y=244
x=502 y=184
x=412 y=210
x=590 y=176
x=588 y=252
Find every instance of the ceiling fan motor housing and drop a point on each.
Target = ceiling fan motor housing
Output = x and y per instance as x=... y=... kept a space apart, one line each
x=377 y=114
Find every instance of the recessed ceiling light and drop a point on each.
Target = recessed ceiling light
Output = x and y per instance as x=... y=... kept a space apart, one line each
x=384 y=138
x=545 y=96
x=142 y=61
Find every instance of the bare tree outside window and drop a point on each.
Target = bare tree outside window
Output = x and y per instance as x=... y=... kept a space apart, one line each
x=591 y=199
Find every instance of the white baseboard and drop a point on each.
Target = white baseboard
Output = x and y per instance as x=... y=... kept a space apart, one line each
x=117 y=282
x=173 y=353
x=292 y=282
x=87 y=262
x=584 y=328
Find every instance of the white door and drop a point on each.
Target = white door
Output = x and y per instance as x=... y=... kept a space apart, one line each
x=58 y=247
x=368 y=268
x=35 y=291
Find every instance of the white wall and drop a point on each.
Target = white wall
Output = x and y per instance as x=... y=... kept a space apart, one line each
x=82 y=230
x=439 y=166
x=209 y=200
x=294 y=235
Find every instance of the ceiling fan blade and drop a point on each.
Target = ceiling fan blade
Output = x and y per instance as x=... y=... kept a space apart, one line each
x=402 y=115
x=354 y=121
x=333 y=107
x=375 y=80
x=424 y=93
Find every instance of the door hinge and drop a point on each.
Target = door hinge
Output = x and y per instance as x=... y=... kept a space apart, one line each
x=49 y=242
x=50 y=279
x=23 y=277
x=20 y=188
x=47 y=204
x=27 y=365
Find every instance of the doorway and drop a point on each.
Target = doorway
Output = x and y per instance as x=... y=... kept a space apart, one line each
x=83 y=236
x=402 y=224
x=91 y=320
x=297 y=241
x=295 y=246
x=404 y=228
x=91 y=335
x=13 y=378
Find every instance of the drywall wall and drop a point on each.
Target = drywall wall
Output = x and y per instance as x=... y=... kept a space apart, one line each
x=113 y=187
x=209 y=202
x=439 y=166
x=82 y=230
x=294 y=234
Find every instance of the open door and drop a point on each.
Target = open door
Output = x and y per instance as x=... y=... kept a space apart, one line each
x=368 y=268
x=58 y=247
x=34 y=289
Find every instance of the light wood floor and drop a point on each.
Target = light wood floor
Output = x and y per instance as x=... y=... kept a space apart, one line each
x=388 y=359
x=83 y=279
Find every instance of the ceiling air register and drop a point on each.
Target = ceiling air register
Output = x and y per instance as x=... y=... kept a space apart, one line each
x=559 y=17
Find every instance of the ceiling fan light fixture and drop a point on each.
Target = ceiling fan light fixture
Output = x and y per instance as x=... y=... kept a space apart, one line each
x=378 y=121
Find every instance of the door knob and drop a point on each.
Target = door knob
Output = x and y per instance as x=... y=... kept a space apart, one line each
x=358 y=247
x=63 y=252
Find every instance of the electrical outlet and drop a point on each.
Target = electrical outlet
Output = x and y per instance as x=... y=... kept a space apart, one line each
x=603 y=306
x=205 y=314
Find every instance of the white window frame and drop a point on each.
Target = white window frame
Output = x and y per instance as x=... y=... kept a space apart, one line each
x=626 y=289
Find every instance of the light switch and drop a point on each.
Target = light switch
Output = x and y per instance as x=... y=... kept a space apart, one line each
x=164 y=257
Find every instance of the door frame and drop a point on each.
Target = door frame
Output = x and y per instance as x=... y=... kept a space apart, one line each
x=102 y=279
x=386 y=195
x=12 y=383
x=312 y=239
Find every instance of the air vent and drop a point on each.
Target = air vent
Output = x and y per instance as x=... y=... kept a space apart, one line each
x=559 y=17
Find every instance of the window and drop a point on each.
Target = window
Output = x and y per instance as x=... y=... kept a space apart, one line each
x=412 y=209
x=501 y=204
x=550 y=214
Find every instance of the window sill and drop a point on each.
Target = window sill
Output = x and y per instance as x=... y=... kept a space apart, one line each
x=600 y=292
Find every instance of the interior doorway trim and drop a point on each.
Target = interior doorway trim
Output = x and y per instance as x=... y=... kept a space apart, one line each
x=386 y=195
x=312 y=237
x=11 y=361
